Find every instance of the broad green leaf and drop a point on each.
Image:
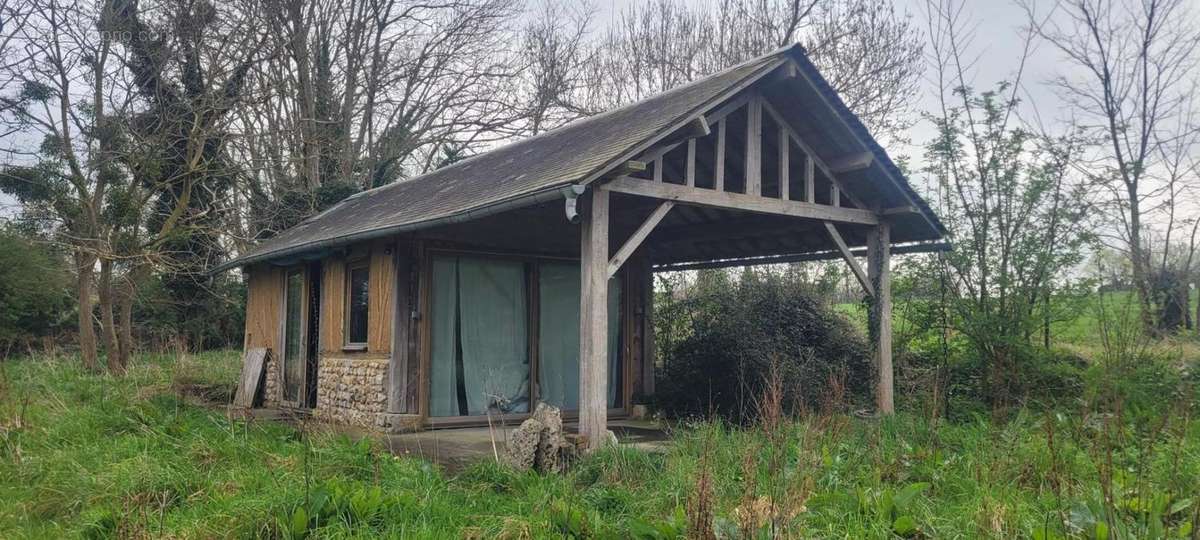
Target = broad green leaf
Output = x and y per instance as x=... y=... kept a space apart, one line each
x=905 y=526
x=299 y=522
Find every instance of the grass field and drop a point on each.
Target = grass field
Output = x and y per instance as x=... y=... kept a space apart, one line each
x=99 y=457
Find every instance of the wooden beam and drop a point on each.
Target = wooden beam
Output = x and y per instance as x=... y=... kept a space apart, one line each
x=810 y=181
x=690 y=174
x=730 y=93
x=719 y=167
x=658 y=151
x=900 y=210
x=658 y=169
x=727 y=109
x=853 y=162
x=785 y=173
x=896 y=182
x=593 y=322
x=796 y=257
x=740 y=201
x=879 y=318
x=627 y=168
x=835 y=195
x=850 y=260
x=697 y=127
x=638 y=237
x=808 y=150
x=754 y=146
x=398 y=371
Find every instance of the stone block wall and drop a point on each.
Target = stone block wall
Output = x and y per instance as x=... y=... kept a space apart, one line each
x=271 y=382
x=352 y=391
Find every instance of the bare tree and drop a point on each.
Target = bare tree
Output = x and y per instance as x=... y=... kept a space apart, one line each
x=554 y=58
x=870 y=54
x=1010 y=199
x=367 y=92
x=121 y=117
x=1137 y=64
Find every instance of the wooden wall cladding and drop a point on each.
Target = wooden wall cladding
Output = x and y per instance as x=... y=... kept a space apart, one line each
x=264 y=292
x=383 y=288
x=333 y=304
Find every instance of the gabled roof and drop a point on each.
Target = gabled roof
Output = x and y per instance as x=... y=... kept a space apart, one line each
x=535 y=169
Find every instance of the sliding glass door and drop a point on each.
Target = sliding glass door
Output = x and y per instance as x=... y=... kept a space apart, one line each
x=480 y=337
x=483 y=327
x=558 y=336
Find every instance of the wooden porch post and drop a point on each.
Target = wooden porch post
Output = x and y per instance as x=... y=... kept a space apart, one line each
x=880 y=318
x=593 y=321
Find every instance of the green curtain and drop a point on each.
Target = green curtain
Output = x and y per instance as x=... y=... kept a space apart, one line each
x=494 y=335
x=443 y=376
x=558 y=336
x=479 y=344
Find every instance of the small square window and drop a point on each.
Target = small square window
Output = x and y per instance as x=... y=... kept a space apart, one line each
x=358 y=301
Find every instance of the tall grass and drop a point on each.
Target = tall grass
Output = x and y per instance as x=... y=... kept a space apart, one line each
x=96 y=456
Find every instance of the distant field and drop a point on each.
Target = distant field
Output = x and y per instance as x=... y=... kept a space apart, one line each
x=1077 y=323
x=142 y=456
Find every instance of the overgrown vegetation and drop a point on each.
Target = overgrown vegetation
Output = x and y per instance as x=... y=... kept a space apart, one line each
x=34 y=294
x=99 y=456
x=723 y=334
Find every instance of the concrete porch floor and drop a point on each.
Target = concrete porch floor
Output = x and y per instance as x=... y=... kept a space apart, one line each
x=458 y=447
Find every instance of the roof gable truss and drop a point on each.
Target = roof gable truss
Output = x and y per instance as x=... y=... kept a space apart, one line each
x=746 y=146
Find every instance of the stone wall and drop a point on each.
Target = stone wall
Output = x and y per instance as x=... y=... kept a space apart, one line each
x=271 y=383
x=352 y=391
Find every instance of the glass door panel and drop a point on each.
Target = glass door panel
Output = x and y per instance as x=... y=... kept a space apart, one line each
x=293 y=337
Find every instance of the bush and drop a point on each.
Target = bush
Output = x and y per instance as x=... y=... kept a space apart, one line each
x=35 y=292
x=1038 y=377
x=735 y=334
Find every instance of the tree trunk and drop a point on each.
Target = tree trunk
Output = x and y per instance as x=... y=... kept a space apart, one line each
x=125 y=296
x=1046 y=319
x=108 y=330
x=84 y=264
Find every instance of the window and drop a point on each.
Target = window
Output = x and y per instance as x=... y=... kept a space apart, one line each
x=358 y=300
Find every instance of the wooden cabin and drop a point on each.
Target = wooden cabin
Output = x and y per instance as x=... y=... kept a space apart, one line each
x=524 y=274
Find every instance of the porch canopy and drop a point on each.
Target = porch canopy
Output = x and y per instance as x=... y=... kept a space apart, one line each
x=760 y=163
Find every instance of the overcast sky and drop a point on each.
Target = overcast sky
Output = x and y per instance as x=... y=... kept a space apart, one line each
x=998 y=36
